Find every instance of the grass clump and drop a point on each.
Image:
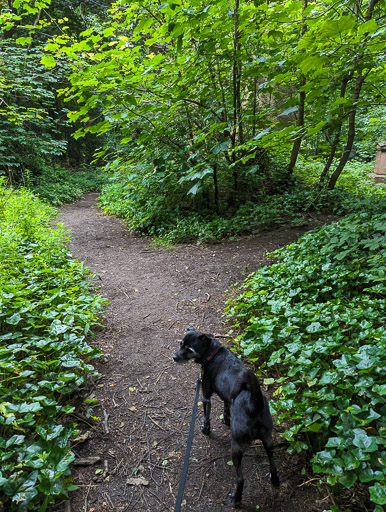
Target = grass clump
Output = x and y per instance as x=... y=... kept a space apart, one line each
x=46 y=311
x=315 y=320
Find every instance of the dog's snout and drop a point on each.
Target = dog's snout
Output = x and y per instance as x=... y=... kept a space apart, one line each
x=177 y=356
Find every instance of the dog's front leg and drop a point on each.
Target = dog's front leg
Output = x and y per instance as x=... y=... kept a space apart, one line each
x=205 y=428
x=207 y=392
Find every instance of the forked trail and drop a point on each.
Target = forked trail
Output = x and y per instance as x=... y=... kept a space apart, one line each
x=144 y=398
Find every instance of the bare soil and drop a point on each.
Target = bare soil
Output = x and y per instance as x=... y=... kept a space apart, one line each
x=144 y=399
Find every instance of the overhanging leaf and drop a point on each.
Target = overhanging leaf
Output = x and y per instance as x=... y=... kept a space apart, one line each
x=289 y=110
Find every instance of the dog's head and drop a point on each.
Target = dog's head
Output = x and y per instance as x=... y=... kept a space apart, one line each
x=192 y=346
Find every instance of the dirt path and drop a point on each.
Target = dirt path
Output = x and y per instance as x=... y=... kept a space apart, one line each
x=147 y=398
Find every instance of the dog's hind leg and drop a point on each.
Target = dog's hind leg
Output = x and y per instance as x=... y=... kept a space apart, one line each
x=267 y=443
x=205 y=428
x=237 y=456
x=227 y=414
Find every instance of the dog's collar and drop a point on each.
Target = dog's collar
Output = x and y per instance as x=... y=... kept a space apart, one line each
x=214 y=353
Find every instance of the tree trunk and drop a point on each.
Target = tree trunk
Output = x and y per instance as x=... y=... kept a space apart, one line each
x=300 y=124
x=238 y=127
x=215 y=181
x=301 y=108
x=336 y=140
x=237 y=132
x=351 y=121
x=10 y=32
x=351 y=132
x=254 y=107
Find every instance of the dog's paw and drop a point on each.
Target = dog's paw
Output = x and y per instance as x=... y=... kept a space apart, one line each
x=205 y=429
x=232 y=500
x=275 y=480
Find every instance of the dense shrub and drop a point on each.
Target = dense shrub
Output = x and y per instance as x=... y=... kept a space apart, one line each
x=181 y=218
x=316 y=320
x=58 y=186
x=46 y=311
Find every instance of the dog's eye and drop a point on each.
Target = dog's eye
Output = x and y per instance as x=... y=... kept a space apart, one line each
x=181 y=342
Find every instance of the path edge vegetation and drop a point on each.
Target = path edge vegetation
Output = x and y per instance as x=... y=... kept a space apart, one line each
x=314 y=323
x=47 y=310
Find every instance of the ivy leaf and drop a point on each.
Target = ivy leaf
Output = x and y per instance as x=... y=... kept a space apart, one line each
x=15 y=440
x=57 y=327
x=378 y=494
x=363 y=441
x=14 y=319
x=314 y=327
x=348 y=480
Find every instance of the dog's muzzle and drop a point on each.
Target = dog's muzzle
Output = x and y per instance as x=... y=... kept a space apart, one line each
x=179 y=358
x=176 y=358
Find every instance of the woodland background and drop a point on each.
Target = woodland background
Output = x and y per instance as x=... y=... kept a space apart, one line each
x=211 y=120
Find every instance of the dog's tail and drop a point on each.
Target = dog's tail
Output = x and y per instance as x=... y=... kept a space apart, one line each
x=248 y=382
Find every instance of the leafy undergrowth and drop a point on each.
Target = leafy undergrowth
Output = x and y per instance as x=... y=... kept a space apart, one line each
x=354 y=178
x=316 y=321
x=58 y=186
x=46 y=311
x=178 y=218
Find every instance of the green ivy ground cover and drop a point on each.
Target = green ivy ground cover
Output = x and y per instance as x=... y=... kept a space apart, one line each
x=315 y=320
x=46 y=310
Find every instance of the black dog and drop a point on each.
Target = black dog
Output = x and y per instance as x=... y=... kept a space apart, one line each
x=245 y=406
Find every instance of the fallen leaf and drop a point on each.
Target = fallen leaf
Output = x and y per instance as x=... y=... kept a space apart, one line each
x=138 y=481
x=82 y=438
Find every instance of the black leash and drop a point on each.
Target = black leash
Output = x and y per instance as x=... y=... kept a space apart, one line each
x=181 y=487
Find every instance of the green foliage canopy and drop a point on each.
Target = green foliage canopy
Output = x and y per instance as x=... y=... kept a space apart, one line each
x=205 y=91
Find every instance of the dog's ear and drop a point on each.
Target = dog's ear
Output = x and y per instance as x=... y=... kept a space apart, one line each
x=205 y=338
x=190 y=328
